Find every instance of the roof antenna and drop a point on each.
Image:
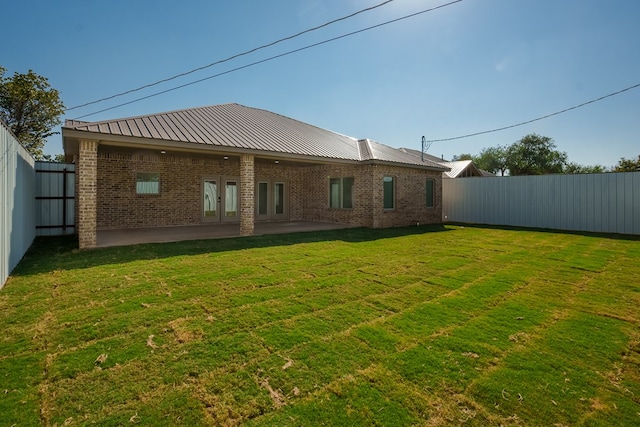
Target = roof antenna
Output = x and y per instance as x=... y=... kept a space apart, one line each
x=425 y=146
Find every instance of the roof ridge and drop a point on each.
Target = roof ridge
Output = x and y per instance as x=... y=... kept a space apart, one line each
x=299 y=121
x=364 y=149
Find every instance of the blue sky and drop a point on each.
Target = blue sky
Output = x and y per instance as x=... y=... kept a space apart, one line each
x=468 y=67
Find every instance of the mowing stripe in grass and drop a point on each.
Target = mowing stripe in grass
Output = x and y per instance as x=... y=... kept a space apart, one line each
x=364 y=326
x=547 y=384
x=19 y=375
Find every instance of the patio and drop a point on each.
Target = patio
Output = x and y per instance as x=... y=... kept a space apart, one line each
x=124 y=237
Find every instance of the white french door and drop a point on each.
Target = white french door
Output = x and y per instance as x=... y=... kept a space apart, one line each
x=221 y=199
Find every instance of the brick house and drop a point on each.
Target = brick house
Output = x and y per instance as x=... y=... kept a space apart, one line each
x=231 y=163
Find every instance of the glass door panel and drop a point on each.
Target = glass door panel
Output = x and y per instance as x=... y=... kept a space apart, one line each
x=210 y=199
x=231 y=199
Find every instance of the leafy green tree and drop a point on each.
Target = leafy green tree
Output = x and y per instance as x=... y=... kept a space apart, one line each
x=31 y=109
x=535 y=155
x=573 y=167
x=459 y=157
x=492 y=159
x=628 y=165
x=56 y=158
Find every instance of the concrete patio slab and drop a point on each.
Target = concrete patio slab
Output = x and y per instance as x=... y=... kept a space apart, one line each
x=135 y=236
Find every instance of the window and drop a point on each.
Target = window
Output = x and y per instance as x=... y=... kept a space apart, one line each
x=431 y=191
x=347 y=193
x=263 y=198
x=388 y=192
x=278 y=202
x=341 y=192
x=147 y=183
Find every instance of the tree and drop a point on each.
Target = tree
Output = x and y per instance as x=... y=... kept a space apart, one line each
x=576 y=168
x=31 y=109
x=464 y=156
x=628 y=165
x=492 y=159
x=535 y=155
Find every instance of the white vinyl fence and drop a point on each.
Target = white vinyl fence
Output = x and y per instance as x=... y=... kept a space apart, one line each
x=17 y=202
x=607 y=203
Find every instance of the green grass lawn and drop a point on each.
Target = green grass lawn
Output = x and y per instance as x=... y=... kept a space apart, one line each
x=415 y=326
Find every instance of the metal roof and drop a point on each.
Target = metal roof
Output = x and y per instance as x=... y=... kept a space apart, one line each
x=240 y=127
x=456 y=167
x=420 y=154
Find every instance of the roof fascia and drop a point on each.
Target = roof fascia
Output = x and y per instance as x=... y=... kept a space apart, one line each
x=406 y=165
x=70 y=135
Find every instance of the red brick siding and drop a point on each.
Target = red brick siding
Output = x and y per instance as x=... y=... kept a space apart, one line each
x=307 y=196
x=292 y=177
x=316 y=190
x=179 y=201
x=410 y=197
x=86 y=200
x=247 y=197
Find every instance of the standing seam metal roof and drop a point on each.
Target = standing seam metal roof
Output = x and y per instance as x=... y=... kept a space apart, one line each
x=234 y=125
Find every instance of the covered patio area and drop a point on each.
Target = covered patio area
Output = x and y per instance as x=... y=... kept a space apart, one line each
x=125 y=237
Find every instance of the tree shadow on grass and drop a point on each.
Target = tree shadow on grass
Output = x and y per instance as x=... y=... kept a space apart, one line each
x=48 y=254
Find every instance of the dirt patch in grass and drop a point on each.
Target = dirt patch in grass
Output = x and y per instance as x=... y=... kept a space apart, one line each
x=181 y=331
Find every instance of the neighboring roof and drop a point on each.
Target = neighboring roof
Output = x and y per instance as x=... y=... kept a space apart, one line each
x=458 y=167
x=245 y=128
x=486 y=173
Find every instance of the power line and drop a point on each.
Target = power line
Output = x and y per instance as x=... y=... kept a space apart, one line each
x=536 y=119
x=274 y=57
x=326 y=24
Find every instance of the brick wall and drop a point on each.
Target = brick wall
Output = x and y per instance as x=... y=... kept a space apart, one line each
x=307 y=191
x=179 y=201
x=292 y=177
x=316 y=190
x=87 y=193
x=368 y=211
x=247 y=197
x=410 y=197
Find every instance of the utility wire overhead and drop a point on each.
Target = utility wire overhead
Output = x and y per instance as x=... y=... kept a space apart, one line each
x=536 y=119
x=271 y=58
x=326 y=24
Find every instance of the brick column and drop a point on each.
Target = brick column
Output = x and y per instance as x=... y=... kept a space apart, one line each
x=247 y=197
x=87 y=170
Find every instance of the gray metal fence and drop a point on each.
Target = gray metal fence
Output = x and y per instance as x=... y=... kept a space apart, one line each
x=55 y=201
x=17 y=202
x=608 y=203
